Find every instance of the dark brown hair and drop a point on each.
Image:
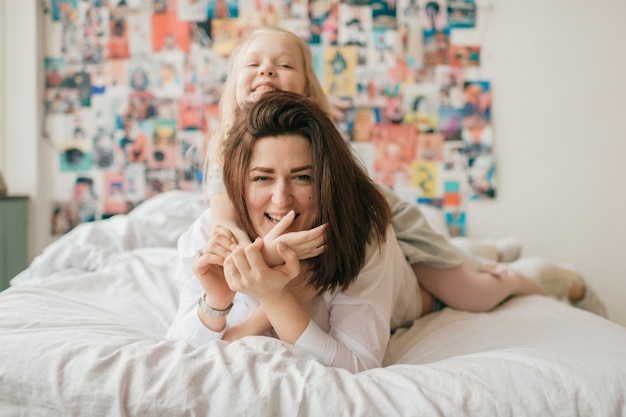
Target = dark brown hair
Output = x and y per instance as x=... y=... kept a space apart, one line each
x=347 y=198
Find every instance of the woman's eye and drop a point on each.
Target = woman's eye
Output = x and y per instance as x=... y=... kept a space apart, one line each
x=304 y=178
x=260 y=178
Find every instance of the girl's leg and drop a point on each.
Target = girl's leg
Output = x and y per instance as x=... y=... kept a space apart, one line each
x=561 y=281
x=465 y=289
x=428 y=302
x=477 y=247
x=507 y=249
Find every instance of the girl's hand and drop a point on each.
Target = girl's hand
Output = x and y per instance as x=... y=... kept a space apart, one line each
x=339 y=108
x=247 y=272
x=498 y=270
x=306 y=244
x=208 y=267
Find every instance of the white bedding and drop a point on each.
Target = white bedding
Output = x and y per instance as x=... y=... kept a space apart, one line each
x=81 y=334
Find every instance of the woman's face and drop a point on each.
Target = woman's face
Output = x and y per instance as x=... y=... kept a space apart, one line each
x=270 y=63
x=279 y=180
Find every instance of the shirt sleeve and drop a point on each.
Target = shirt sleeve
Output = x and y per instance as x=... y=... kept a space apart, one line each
x=418 y=241
x=356 y=331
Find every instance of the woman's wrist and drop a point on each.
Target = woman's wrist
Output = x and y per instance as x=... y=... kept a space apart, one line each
x=218 y=303
x=213 y=318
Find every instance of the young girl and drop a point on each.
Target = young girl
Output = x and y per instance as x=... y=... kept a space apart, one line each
x=274 y=59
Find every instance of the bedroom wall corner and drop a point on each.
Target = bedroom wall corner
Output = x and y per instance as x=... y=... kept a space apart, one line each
x=22 y=146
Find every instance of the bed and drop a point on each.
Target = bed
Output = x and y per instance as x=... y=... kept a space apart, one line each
x=82 y=334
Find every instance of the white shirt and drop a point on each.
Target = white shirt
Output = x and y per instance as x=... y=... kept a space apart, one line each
x=348 y=329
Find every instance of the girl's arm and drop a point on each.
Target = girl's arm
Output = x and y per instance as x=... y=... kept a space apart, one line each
x=223 y=213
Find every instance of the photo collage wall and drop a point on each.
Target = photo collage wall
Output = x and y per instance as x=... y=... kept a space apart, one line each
x=132 y=86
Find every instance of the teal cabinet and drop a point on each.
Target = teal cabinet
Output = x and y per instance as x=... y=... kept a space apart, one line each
x=13 y=238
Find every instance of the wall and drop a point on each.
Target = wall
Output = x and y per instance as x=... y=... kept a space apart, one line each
x=2 y=87
x=557 y=75
x=559 y=87
x=21 y=161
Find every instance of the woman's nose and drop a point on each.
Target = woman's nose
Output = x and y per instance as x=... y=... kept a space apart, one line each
x=282 y=195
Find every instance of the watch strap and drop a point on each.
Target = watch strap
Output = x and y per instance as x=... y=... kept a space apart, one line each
x=210 y=310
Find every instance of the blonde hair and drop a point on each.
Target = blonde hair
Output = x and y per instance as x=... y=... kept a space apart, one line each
x=228 y=102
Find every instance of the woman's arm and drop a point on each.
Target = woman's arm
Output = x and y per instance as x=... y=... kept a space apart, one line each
x=187 y=324
x=352 y=327
x=247 y=272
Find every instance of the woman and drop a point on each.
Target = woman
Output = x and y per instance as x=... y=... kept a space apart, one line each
x=287 y=166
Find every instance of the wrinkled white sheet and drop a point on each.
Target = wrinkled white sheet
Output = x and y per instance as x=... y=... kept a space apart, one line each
x=81 y=334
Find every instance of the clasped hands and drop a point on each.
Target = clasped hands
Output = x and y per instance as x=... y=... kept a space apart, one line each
x=264 y=269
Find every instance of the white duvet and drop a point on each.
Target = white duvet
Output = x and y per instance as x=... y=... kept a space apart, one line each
x=81 y=334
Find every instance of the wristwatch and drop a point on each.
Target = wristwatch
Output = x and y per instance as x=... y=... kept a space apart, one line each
x=212 y=311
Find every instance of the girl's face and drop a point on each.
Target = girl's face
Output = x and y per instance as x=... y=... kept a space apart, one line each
x=270 y=63
x=280 y=180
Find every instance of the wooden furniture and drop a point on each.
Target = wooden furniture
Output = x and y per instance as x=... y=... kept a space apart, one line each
x=13 y=237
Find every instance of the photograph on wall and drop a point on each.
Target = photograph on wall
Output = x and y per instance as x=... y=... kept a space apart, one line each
x=421 y=104
x=340 y=64
x=461 y=14
x=482 y=177
x=355 y=28
x=62 y=219
x=365 y=118
x=456 y=222
x=114 y=199
x=429 y=147
x=425 y=177
x=464 y=56
x=65 y=10
x=395 y=151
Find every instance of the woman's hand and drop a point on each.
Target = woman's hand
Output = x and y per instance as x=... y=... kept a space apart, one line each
x=247 y=271
x=258 y=323
x=306 y=244
x=208 y=267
